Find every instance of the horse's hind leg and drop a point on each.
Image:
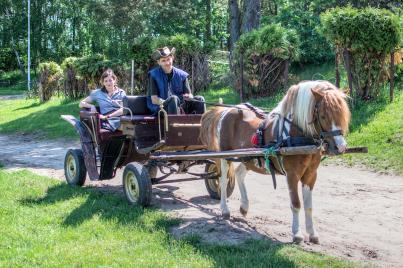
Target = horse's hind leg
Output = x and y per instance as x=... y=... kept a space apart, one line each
x=295 y=205
x=240 y=174
x=223 y=187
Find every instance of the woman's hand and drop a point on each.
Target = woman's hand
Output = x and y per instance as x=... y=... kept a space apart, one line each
x=93 y=109
x=103 y=117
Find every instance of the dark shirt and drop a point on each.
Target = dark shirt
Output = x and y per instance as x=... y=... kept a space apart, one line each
x=153 y=88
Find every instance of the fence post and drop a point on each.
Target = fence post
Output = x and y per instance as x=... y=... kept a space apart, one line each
x=392 y=75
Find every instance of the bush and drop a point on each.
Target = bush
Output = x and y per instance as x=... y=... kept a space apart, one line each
x=364 y=37
x=266 y=54
x=303 y=18
x=50 y=75
x=8 y=60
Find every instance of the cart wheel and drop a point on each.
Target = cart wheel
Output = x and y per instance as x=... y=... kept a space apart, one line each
x=137 y=184
x=74 y=167
x=213 y=183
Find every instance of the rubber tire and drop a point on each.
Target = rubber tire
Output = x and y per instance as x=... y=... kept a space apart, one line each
x=140 y=174
x=78 y=179
x=213 y=185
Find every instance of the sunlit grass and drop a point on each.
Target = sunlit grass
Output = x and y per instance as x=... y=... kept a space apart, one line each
x=44 y=222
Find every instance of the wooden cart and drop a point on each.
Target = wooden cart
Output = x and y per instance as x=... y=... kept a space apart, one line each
x=145 y=144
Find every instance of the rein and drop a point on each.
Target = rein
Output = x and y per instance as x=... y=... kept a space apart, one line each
x=258 y=111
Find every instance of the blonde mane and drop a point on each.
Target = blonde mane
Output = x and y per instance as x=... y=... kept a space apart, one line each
x=299 y=102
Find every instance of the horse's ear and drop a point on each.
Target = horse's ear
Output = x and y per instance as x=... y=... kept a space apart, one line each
x=317 y=93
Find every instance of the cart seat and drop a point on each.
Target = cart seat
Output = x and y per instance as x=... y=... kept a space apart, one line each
x=137 y=105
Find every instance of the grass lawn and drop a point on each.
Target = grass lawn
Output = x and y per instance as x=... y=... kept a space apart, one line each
x=17 y=89
x=32 y=116
x=13 y=83
x=44 y=222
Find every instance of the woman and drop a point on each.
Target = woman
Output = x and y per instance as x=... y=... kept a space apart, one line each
x=108 y=98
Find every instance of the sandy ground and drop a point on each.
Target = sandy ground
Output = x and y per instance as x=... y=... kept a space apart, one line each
x=358 y=213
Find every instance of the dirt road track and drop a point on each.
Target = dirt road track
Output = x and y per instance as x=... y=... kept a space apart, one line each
x=358 y=213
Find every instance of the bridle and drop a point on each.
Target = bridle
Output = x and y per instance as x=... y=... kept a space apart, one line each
x=324 y=135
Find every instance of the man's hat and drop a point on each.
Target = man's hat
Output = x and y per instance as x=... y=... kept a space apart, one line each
x=163 y=53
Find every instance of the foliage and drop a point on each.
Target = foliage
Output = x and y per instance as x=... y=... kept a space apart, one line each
x=90 y=69
x=304 y=20
x=264 y=56
x=362 y=30
x=7 y=59
x=365 y=36
x=272 y=39
x=49 y=79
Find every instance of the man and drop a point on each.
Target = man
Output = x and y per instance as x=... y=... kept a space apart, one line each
x=169 y=86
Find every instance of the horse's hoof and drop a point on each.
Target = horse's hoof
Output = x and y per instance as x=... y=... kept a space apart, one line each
x=243 y=211
x=226 y=215
x=314 y=239
x=297 y=239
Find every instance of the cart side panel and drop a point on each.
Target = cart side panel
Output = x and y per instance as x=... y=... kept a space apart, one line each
x=184 y=130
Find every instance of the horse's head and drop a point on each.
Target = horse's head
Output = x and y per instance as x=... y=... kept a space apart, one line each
x=331 y=116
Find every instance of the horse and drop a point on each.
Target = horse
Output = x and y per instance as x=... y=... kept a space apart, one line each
x=311 y=112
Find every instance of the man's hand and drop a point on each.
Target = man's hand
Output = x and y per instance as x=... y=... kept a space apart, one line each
x=160 y=101
x=187 y=96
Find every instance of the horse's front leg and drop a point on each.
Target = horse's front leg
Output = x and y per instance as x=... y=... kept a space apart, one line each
x=240 y=173
x=223 y=187
x=310 y=229
x=295 y=205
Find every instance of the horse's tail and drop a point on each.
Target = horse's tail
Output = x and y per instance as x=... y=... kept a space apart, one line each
x=208 y=128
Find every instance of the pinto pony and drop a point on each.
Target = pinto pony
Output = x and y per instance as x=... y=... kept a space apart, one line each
x=313 y=112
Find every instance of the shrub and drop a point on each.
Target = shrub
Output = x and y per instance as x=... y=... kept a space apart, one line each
x=50 y=75
x=266 y=53
x=364 y=37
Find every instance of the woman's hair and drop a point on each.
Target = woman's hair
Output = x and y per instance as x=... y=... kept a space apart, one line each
x=105 y=74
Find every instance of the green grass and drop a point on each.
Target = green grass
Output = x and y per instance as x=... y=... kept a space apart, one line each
x=17 y=83
x=17 y=89
x=379 y=126
x=32 y=116
x=44 y=222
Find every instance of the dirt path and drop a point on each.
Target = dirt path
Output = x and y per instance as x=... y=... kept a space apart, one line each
x=11 y=97
x=358 y=213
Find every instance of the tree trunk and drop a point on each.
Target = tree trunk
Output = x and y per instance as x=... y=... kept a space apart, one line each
x=251 y=15
x=234 y=27
x=208 y=20
x=392 y=76
x=336 y=61
x=347 y=65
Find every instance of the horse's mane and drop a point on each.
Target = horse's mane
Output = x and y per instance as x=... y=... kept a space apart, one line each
x=299 y=103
